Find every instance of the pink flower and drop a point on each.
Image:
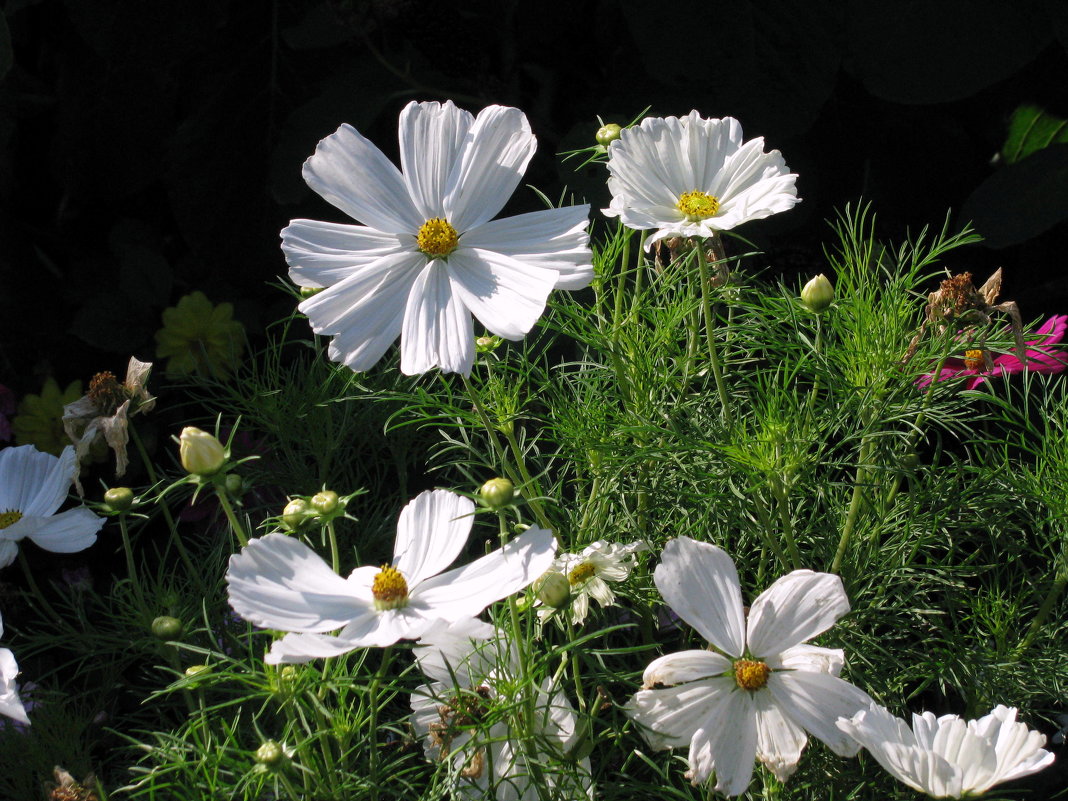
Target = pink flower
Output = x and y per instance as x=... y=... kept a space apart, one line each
x=1043 y=359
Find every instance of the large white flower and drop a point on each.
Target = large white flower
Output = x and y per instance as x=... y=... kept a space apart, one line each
x=33 y=485
x=466 y=716
x=692 y=177
x=948 y=757
x=10 y=704
x=428 y=255
x=588 y=572
x=279 y=583
x=761 y=689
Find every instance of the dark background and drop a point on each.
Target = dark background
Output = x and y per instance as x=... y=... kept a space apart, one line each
x=150 y=148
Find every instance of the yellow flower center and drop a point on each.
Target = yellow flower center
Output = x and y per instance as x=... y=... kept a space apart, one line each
x=973 y=359
x=698 y=205
x=750 y=674
x=389 y=589
x=436 y=237
x=10 y=518
x=580 y=574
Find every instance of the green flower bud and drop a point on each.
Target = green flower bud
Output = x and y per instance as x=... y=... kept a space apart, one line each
x=270 y=754
x=497 y=493
x=307 y=291
x=295 y=513
x=196 y=670
x=202 y=454
x=288 y=673
x=817 y=294
x=609 y=133
x=234 y=485
x=119 y=499
x=487 y=344
x=166 y=627
x=553 y=589
x=324 y=502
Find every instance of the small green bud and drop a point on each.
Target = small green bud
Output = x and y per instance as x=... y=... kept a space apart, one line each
x=202 y=454
x=270 y=754
x=287 y=673
x=119 y=499
x=295 y=513
x=196 y=670
x=609 y=133
x=817 y=294
x=553 y=589
x=324 y=502
x=497 y=493
x=166 y=627
x=307 y=291
x=234 y=485
x=487 y=344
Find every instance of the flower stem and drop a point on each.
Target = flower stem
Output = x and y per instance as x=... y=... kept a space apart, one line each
x=783 y=505
x=376 y=681
x=236 y=526
x=854 y=504
x=335 y=556
x=1054 y=594
x=130 y=568
x=710 y=331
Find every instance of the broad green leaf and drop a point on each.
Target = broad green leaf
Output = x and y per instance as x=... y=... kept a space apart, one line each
x=1031 y=129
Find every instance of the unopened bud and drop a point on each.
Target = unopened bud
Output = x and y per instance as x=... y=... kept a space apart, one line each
x=270 y=754
x=497 y=493
x=202 y=454
x=196 y=670
x=119 y=499
x=166 y=627
x=295 y=513
x=234 y=485
x=609 y=133
x=817 y=294
x=487 y=344
x=307 y=291
x=324 y=502
x=553 y=589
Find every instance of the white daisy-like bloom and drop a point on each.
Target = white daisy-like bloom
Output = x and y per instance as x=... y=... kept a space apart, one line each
x=589 y=572
x=429 y=254
x=692 y=177
x=463 y=717
x=10 y=704
x=761 y=688
x=279 y=583
x=33 y=485
x=949 y=757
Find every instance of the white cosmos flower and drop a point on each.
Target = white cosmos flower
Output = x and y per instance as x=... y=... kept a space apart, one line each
x=948 y=757
x=33 y=485
x=588 y=573
x=279 y=583
x=761 y=689
x=10 y=704
x=463 y=715
x=692 y=177
x=428 y=256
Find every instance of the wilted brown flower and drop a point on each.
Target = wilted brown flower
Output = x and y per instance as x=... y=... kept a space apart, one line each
x=66 y=788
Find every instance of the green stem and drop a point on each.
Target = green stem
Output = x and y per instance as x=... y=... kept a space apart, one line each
x=855 y=503
x=130 y=568
x=1046 y=607
x=335 y=556
x=768 y=531
x=710 y=331
x=528 y=480
x=224 y=502
x=783 y=505
x=376 y=680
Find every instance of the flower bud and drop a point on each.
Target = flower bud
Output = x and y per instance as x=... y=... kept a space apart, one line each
x=295 y=513
x=307 y=291
x=196 y=670
x=234 y=484
x=202 y=454
x=553 y=589
x=119 y=499
x=166 y=627
x=325 y=502
x=487 y=344
x=609 y=133
x=270 y=754
x=497 y=493
x=817 y=294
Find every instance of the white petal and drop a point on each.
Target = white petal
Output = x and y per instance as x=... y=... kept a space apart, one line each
x=468 y=590
x=809 y=657
x=795 y=608
x=322 y=254
x=353 y=175
x=554 y=239
x=431 y=532
x=494 y=156
x=68 y=532
x=431 y=137
x=437 y=330
x=33 y=482
x=278 y=582
x=1019 y=749
x=726 y=744
x=9 y=550
x=700 y=583
x=684 y=666
x=296 y=649
x=365 y=310
x=974 y=755
x=10 y=704
x=445 y=652
x=779 y=740
x=670 y=716
x=815 y=701
x=505 y=295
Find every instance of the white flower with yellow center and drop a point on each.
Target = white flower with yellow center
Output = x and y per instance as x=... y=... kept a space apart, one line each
x=588 y=572
x=760 y=689
x=465 y=716
x=692 y=177
x=429 y=254
x=279 y=583
x=10 y=704
x=949 y=757
x=33 y=485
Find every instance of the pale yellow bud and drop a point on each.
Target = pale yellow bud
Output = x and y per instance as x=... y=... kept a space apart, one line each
x=201 y=453
x=817 y=294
